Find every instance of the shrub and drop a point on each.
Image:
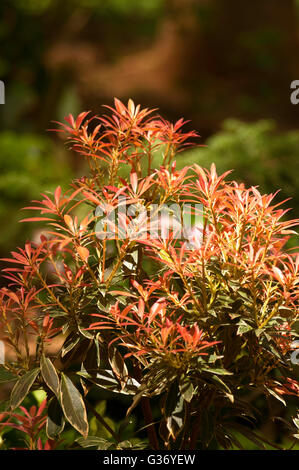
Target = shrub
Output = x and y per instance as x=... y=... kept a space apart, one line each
x=258 y=154
x=187 y=318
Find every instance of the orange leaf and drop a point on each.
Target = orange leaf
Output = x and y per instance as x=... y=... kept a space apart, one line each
x=83 y=253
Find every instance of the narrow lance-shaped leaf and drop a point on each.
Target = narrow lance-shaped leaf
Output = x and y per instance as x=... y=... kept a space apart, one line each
x=95 y=441
x=22 y=388
x=176 y=421
x=49 y=374
x=118 y=365
x=73 y=405
x=186 y=389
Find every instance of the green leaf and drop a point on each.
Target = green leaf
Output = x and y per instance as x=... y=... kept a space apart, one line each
x=277 y=396
x=176 y=421
x=22 y=388
x=186 y=388
x=72 y=340
x=55 y=421
x=222 y=384
x=296 y=422
x=49 y=374
x=285 y=311
x=106 y=379
x=94 y=441
x=129 y=263
x=118 y=365
x=87 y=334
x=73 y=405
x=217 y=371
x=243 y=327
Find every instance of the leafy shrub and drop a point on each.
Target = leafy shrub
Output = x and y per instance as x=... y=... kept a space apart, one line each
x=184 y=323
x=258 y=153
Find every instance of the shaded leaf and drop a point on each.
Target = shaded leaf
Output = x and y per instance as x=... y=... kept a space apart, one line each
x=249 y=434
x=217 y=371
x=70 y=343
x=55 y=420
x=106 y=379
x=243 y=327
x=94 y=441
x=277 y=396
x=186 y=389
x=171 y=399
x=118 y=364
x=175 y=422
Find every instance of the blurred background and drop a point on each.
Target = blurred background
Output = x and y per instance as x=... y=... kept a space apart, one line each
x=227 y=65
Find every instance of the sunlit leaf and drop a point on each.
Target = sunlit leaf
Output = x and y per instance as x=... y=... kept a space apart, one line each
x=73 y=405
x=22 y=387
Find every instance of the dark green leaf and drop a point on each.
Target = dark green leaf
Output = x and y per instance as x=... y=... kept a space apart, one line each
x=221 y=383
x=85 y=333
x=94 y=441
x=250 y=435
x=243 y=327
x=136 y=401
x=55 y=420
x=217 y=371
x=186 y=389
x=22 y=388
x=73 y=405
x=118 y=364
x=49 y=374
x=70 y=343
x=176 y=421
x=106 y=379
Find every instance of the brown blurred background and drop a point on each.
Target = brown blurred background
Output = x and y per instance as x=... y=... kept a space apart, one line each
x=226 y=65
x=203 y=59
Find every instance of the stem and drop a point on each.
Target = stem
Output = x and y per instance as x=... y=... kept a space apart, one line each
x=194 y=433
x=102 y=421
x=148 y=418
x=51 y=293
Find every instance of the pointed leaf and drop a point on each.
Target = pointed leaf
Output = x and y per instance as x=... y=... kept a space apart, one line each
x=73 y=405
x=49 y=374
x=176 y=421
x=118 y=364
x=94 y=441
x=186 y=389
x=22 y=388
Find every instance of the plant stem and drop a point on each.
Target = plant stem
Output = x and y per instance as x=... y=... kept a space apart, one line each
x=102 y=421
x=148 y=418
